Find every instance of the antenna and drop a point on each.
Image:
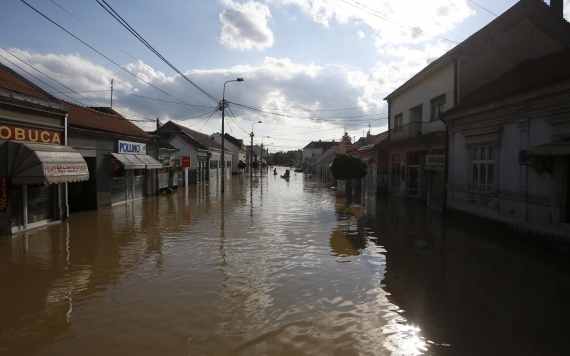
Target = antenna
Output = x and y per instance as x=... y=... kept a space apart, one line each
x=111 y=93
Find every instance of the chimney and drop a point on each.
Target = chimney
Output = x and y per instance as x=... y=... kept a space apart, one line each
x=558 y=7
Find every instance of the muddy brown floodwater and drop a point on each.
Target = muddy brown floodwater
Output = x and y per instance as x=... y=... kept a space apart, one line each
x=276 y=267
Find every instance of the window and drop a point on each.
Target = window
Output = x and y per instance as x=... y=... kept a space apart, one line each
x=398 y=121
x=437 y=107
x=482 y=167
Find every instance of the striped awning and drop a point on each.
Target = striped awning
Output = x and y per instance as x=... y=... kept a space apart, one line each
x=131 y=161
x=42 y=164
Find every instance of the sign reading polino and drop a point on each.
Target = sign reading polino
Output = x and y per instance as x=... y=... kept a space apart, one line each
x=185 y=161
x=29 y=134
x=134 y=148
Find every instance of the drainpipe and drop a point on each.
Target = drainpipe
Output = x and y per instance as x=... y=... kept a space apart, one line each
x=557 y=6
x=66 y=207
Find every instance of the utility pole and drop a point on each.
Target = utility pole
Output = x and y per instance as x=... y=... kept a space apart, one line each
x=262 y=156
x=223 y=105
x=156 y=154
x=251 y=154
x=111 y=93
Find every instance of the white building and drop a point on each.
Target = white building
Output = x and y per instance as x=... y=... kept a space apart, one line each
x=509 y=153
x=236 y=147
x=528 y=30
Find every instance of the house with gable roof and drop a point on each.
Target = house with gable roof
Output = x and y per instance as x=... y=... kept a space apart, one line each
x=118 y=154
x=36 y=163
x=203 y=150
x=418 y=139
x=236 y=146
x=312 y=150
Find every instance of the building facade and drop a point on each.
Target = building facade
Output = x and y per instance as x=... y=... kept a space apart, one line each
x=418 y=141
x=509 y=152
x=35 y=162
x=116 y=152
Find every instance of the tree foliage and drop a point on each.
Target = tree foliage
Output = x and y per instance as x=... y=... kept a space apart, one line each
x=348 y=167
x=254 y=164
x=287 y=158
x=242 y=165
x=346 y=138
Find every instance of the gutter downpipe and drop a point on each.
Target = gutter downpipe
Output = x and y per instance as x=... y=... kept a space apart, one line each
x=455 y=100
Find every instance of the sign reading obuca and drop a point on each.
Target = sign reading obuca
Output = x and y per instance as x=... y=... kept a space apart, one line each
x=134 y=148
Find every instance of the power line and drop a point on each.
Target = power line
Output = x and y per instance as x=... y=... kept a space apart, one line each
x=483 y=8
x=119 y=48
x=59 y=92
x=125 y=24
x=386 y=18
x=101 y=54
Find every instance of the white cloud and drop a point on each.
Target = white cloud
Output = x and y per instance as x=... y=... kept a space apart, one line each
x=393 y=21
x=245 y=27
x=71 y=70
x=360 y=34
x=290 y=88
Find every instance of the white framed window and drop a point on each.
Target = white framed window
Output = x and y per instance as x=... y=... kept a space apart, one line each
x=483 y=167
x=437 y=107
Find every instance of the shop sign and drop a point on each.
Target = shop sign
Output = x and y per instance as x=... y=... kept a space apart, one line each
x=185 y=161
x=59 y=170
x=29 y=134
x=4 y=194
x=134 y=148
x=166 y=161
x=435 y=160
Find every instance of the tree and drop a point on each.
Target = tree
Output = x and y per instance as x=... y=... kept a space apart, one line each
x=346 y=167
x=242 y=165
x=346 y=138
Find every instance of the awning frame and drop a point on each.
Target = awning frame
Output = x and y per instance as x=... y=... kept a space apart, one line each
x=131 y=161
x=44 y=164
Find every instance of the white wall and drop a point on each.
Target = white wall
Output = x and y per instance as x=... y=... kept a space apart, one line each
x=440 y=82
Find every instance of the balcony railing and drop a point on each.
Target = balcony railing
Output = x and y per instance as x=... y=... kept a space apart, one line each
x=416 y=129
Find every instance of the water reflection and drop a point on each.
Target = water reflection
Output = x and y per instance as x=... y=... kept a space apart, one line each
x=276 y=267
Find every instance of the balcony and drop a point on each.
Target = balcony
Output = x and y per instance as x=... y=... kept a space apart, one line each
x=415 y=129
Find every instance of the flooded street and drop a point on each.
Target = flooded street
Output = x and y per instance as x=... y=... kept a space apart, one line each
x=276 y=267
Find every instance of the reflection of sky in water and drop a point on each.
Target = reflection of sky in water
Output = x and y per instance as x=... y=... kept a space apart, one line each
x=284 y=290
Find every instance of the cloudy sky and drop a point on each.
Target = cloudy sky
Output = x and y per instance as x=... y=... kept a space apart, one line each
x=311 y=68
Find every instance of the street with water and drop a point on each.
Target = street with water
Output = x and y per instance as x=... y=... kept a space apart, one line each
x=278 y=267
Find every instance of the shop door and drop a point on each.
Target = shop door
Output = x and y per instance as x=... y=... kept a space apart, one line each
x=413 y=181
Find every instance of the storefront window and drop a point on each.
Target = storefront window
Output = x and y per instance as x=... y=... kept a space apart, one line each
x=16 y=205
x=40 y=203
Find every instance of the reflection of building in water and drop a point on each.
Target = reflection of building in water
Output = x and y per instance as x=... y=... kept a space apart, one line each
x=472 y=288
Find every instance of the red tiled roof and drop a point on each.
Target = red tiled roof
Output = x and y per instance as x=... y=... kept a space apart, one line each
x=526 y=76
x=98 y=119
x=13 y=82
x=203 y=139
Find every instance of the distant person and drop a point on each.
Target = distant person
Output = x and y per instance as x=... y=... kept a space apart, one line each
x=274 y=170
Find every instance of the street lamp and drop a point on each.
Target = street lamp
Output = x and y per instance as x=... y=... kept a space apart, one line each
x=223 y=105
x=251 y=149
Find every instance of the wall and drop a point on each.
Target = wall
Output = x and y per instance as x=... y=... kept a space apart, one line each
x=438 y=83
